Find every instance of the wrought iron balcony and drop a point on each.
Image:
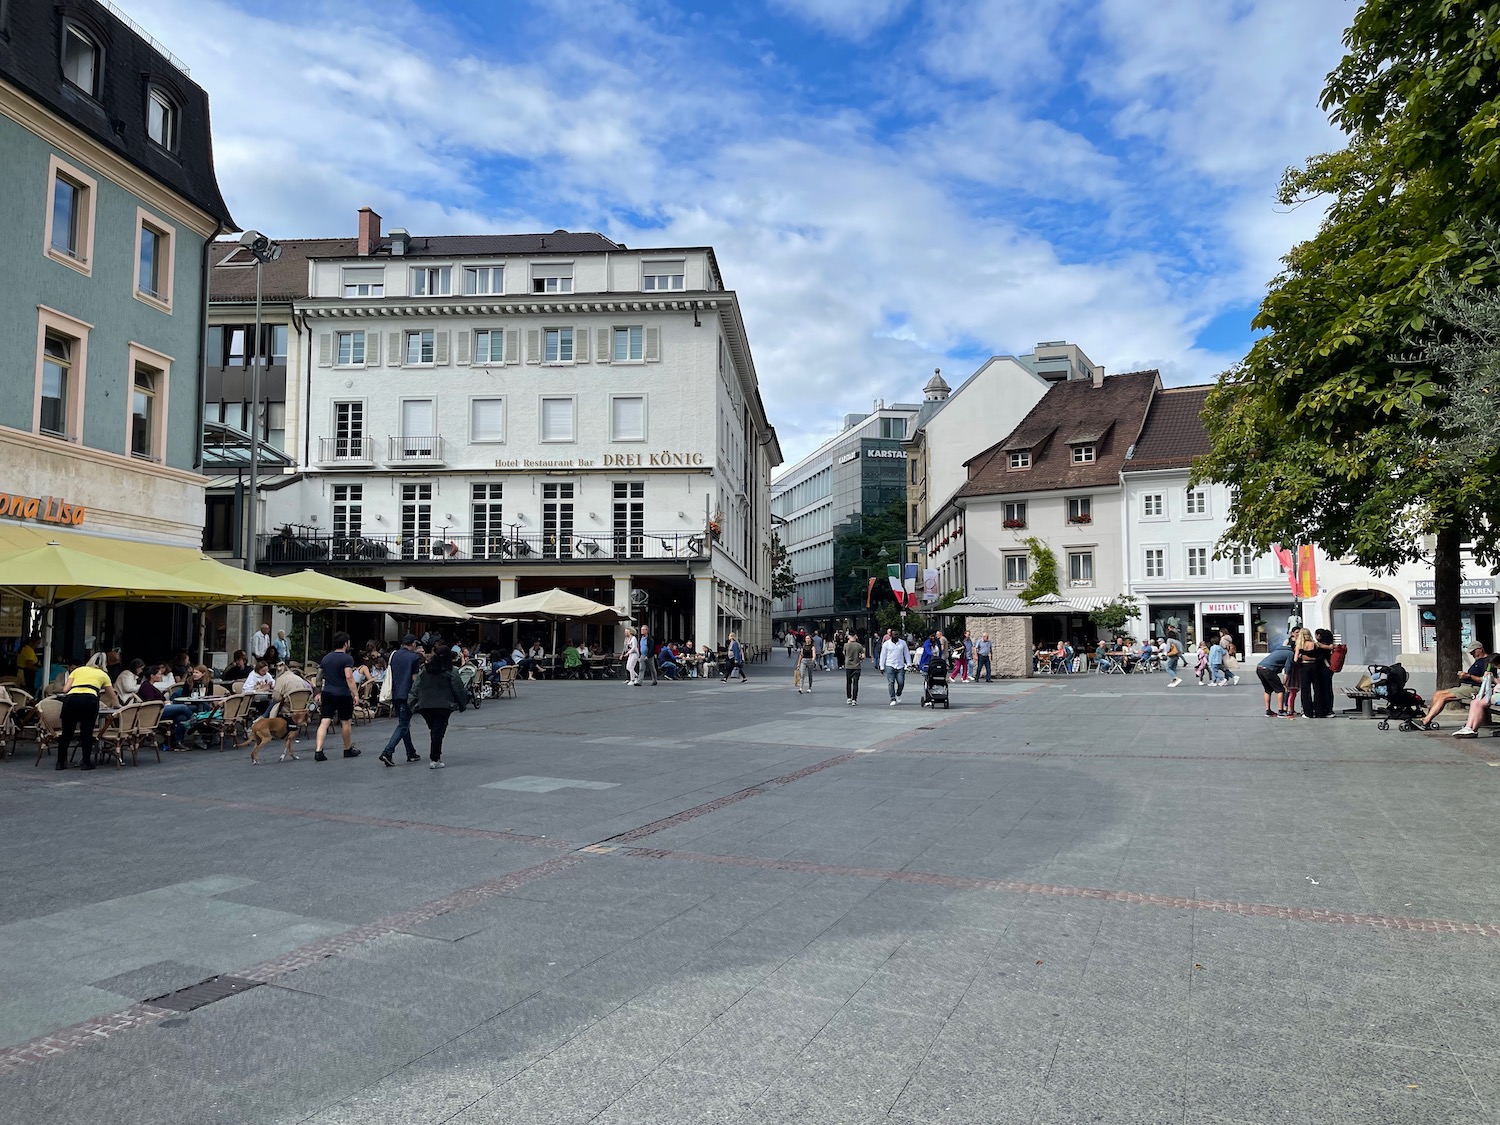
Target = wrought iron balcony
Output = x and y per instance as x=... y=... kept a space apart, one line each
x=415 y=451
x=302 y=546
x=352 y=451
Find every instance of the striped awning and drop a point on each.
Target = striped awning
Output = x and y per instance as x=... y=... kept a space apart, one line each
x=1015 y=607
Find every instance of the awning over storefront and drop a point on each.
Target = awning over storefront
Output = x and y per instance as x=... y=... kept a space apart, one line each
x=1015 y=607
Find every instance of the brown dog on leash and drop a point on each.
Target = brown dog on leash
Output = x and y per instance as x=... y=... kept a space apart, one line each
x=267 y=730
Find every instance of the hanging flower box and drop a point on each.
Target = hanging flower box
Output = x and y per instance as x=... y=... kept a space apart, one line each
x=1081 y=519
x=1014 y=523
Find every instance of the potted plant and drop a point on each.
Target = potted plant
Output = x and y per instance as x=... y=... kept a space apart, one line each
x=1014 y=523
x=716 y=525
x=1082 y=517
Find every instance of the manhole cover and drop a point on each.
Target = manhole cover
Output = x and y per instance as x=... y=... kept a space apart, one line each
x=199 y=995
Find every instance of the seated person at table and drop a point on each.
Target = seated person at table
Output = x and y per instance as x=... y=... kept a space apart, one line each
x=199 y=681
x=287 y=681
x=178 y=714
x=572 y=660
x=128 y=682
x=667 y=665
x=238 y=668
x=585 y=671
x=260 y=682
x=531 y=660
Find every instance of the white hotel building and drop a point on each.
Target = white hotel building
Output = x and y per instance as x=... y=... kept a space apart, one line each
x=490 y=416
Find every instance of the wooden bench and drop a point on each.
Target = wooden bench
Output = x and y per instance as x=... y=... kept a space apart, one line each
x=1364 y=703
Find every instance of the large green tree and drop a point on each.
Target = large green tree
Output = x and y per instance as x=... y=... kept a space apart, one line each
x=1326 y=433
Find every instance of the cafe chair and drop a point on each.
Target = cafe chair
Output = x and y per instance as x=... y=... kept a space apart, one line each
x=47 y=727
x=235 y=721
x=505 y=682
x=147 y=724
x=115 y=735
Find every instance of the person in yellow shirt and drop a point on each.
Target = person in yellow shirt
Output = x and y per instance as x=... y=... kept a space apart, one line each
x=82 y=691
x=27 y=663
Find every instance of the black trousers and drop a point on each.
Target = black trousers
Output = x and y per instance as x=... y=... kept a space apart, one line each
x=1312 y=690
x=851 y=683
x=80 y=714
x=437 y=724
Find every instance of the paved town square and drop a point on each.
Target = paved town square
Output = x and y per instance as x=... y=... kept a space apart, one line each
x=1081 y=899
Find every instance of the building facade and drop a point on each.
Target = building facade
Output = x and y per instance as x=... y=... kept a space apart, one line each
x=490 y=416
x=113 y=203
x=829 y=508
x=953 y=426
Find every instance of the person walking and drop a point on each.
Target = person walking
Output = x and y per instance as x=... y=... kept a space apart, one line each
x=260 y=644
x=894 y=658
x=648 y=656
x=402 y=671
x=736 y=661
x=435 y=694
x=982 y=649
x=805 y=663
x=1216 y=664
x=854 y=654
x=84 y=686
x=1172 y=650
x=1269 y=671
x=337 y=698
x=632 y=659
x=283 y=646
x=1231 y=658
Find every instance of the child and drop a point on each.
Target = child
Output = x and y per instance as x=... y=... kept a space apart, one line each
x=1216 y=663
x=1200 y=670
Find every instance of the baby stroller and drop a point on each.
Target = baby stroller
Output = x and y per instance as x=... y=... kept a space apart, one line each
x=1388 y=682
x=935 y=683
x=473 y=683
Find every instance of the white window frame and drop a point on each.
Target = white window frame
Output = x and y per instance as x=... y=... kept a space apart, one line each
x=83 y=33
x=1083 y=454
x=544 y=280
x=435 y=281
x=572 y=348
x=166 y=243
x=494 y=274
x=491 y=334
x=142 y=356
x=419 y=336
x=1018 y=459
x=1080 y=506
x=504 y=419
x=1081 y=554
x=82 y=259
x=1156 y=500
x=412 y=446
x=1023 y=562
x=1014 y=510
x=363 y=340
x=1160 y=560
x=673 y=272
x=645 y=418
x=1200 y=552
x=1192 y=496
x=1241 y=564
x=355 y=271
x=161 y=104
x=541 y=421
x=77 y=331
x=635 y=339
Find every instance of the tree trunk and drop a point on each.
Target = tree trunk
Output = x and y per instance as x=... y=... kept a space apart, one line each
x=1447 y=577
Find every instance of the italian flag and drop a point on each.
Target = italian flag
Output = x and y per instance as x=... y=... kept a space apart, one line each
x=898 y=589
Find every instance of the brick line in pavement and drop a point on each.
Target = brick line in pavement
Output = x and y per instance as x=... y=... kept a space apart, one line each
x=99 y=1028
x=1098 y=894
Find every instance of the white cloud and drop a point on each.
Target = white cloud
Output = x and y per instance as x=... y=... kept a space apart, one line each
x=868 y=242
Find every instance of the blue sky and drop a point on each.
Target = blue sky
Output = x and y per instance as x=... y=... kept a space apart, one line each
x=891 y=185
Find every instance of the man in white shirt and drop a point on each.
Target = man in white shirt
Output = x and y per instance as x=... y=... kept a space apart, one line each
x=894 y=657
x=260 y=644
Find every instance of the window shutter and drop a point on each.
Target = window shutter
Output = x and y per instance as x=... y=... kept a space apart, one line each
x=372 y=349
x=581 y=345
x=533 y=345
x=440 y=347
x=653 y=345
x=512 y=345
x=463 y=347
x=603 y=336
x=325 y=349
x=394 y=356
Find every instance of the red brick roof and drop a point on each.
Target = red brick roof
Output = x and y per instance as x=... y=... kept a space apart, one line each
x=1174 y=434
x=1108 y=416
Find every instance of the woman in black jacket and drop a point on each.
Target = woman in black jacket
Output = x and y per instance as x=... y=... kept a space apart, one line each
x=436 y=693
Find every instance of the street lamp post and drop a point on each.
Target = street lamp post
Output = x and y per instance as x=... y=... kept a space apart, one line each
x=263 y=250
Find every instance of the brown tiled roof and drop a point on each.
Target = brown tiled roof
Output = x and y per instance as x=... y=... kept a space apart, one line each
x=284 y=279
x=1110 y=415
x=1174 y=434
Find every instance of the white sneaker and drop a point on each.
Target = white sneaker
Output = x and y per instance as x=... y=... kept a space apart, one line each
x=439 y=764
x=1174 y=683
x=1465 y=732
x=893 y=703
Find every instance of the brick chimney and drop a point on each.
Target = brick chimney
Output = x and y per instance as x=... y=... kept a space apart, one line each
x=369 y=231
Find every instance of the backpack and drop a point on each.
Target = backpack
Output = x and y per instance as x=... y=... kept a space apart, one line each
x=1337 y=657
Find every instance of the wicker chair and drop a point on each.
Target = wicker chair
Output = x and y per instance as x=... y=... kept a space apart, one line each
x=236 y=720
x=118 y=730
x=147 y=728
x=505 y=682
x=47 y=727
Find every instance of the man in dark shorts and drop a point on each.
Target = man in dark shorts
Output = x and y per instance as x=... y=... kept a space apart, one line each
x=337 y=700
x=1269 y=671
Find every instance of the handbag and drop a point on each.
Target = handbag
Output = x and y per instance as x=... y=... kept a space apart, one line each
x=1364 y=683
x=387 y=688
x=1337 y=657
x=797 y=675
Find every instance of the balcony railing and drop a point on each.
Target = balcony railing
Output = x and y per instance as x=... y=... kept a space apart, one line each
x=303 y=546
x=416 y=450
x=346 y=451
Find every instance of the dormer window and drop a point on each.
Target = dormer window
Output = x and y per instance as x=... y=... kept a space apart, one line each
x=553 y=277
x=80 y=59
x=432 y=281
x=1020 y=458
x=1083 y=454
x=161 y=119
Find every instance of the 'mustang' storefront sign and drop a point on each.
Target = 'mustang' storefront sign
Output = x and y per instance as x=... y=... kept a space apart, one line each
x=42 y=509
